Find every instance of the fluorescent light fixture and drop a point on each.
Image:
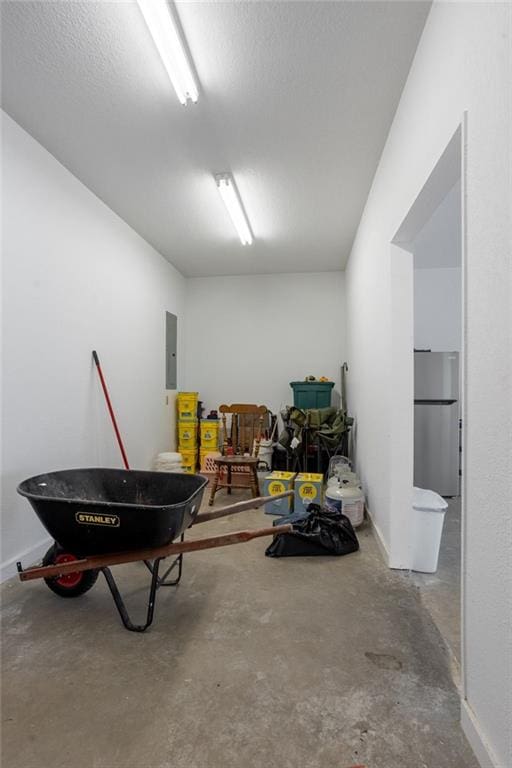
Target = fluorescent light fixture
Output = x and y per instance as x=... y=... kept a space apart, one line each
x=165 y=33
x=231 y=199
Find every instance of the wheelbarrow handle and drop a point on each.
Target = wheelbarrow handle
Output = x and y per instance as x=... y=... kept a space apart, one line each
x=240 y=506
x=231 y=538
x=117 y=558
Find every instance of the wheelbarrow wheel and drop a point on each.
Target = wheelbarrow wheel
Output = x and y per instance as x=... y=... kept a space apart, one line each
x=71 y=584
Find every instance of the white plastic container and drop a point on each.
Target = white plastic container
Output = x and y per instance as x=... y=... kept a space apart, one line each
x=264 y=454
x=428 y=509
x=349 y=499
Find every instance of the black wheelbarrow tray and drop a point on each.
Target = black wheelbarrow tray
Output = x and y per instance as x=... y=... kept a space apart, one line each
x=104 y=517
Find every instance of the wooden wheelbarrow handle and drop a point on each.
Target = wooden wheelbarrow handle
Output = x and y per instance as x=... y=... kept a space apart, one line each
x=178 y=548
x=240 y=506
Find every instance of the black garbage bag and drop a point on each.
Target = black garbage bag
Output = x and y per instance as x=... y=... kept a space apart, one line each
x=323 y=532
x=290 y=519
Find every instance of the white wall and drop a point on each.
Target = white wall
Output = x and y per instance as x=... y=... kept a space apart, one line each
x=437 y=253
x=437 y=309
x=439 y=242
x=248 y=337
x=75 y=278
x=463 y=63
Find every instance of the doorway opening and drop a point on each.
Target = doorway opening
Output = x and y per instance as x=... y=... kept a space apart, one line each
x=437 y=262
x=427 y=313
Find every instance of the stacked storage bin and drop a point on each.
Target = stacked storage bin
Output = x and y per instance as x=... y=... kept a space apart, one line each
x=187 y=429
x=308 y=490
x=209 y=439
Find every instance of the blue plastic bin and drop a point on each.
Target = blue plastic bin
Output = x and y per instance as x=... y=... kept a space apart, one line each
x=312 y=394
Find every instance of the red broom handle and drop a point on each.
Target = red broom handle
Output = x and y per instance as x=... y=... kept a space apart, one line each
x=110 y=409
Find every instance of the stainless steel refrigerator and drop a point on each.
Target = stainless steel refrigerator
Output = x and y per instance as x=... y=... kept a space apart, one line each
x=436 y=422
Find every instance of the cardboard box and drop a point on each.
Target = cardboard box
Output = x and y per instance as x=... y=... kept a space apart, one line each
x=275 y=483
x=308 y=490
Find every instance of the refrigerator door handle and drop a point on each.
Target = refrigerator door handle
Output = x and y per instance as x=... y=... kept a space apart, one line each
x=434 y=402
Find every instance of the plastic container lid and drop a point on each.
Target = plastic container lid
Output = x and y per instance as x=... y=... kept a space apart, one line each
x=428 y=501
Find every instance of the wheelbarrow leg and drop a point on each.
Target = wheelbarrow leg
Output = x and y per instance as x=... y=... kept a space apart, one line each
x=119 y=600
x=162 y=580
x=176 y=563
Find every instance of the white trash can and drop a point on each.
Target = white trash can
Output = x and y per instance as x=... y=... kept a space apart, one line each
x=428 y=509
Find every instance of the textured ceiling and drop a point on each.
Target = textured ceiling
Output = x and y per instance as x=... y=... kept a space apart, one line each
x=296 y=99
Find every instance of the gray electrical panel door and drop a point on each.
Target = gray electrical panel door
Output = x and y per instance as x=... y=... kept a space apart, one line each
x=171 y=337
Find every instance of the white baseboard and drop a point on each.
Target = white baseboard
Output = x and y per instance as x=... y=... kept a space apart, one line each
x=483 y=752
x=27 y=557
x=379 y=538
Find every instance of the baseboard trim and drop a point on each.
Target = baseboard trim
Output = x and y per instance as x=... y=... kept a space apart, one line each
x=379 y=538
x=483 y=752
x=29 y=556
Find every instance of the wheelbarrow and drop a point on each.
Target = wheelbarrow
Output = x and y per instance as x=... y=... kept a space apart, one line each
x=104 y=517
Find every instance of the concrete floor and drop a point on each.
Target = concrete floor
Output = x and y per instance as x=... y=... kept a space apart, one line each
x=440 y=591
x=317 y=662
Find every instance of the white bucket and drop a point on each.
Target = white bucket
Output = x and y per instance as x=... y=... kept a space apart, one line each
x=428 y=509
x=265 y=454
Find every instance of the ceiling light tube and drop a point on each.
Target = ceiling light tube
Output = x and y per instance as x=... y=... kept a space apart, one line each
x=166 y=35
x=229 y=194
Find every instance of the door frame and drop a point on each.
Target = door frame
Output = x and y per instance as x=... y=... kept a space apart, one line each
x=449 y=168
